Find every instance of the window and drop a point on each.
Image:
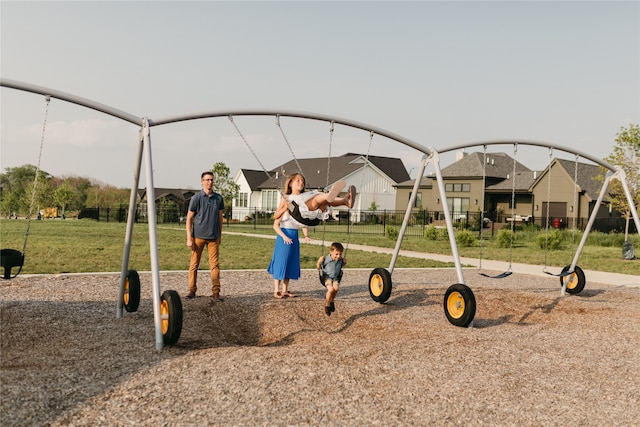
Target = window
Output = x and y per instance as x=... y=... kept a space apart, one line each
x=461 y=188
x=242 y=199
x=269 y=200
x=458 y=206
x=417 y=203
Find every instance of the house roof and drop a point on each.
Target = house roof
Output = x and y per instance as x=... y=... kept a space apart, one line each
x=171 y=193
x=425 y=182
x=315 y=169
x=254 y=177
x=586 y=176
x=499 y=166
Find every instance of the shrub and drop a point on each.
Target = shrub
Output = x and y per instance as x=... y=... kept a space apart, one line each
x=392 y=233
x=431 y=232
x=503 y=238
x=465 y=238
x=551 y=241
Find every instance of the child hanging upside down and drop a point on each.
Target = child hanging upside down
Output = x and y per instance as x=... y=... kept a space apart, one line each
x=313 y=205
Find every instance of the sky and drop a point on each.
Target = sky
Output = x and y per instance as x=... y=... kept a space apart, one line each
x=437 y=73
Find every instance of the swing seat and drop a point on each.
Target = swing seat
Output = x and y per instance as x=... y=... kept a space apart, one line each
x=321 y=277
x=498 y=276
x=10 y=258
x=295 y=213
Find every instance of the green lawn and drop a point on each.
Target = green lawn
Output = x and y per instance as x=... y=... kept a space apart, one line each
x=75 y=246
x=58 y=246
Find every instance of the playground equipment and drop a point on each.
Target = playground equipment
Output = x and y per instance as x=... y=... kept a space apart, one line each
x=459 y=301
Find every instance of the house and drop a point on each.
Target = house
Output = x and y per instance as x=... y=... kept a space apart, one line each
x=172 y=202
x=522 y=196
x=375 y=178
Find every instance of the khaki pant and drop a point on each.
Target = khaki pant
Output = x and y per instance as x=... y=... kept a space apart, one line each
x=213 y=251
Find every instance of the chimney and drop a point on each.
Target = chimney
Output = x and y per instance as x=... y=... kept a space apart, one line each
x=460 y=155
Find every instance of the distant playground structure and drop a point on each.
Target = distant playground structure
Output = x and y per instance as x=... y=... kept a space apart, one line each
x=459 y=301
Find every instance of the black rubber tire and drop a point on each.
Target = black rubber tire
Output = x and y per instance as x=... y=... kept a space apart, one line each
x=459 y=305
x=170 y=317
x=575 y=281
x=131 y=296
x=380 y=285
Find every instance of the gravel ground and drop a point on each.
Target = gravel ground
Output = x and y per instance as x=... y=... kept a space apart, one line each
x=532 y=357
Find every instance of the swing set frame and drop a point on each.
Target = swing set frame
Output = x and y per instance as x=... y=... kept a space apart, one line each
x=459 y=301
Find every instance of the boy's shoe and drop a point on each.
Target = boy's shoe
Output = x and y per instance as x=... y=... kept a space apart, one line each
x=332 y=307
x=327 y=310
x=191 y=294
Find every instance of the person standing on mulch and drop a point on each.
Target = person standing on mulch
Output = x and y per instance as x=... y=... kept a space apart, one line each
x=285 y=261
x=331 y=267
x=204 y=228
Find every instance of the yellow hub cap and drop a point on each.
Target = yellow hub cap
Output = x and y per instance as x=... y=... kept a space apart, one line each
x=455 y=305
x=125 y=296
x=164 y=315
x=376 y=284
x=571 y=280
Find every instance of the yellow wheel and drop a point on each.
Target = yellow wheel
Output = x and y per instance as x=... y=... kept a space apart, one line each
x=170 y=317
x=131 y=297
x=459 y=305
x=575 y=281
x=380 y=285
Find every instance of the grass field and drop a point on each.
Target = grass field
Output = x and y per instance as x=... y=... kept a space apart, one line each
x=61 y=246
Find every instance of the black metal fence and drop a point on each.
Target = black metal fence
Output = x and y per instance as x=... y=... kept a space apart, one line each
x=364 y=222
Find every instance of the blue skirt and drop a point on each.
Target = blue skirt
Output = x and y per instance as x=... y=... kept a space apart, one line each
x=285 y=261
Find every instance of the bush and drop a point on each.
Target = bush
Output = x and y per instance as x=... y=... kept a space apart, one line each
x=431 y=232
x=551 y=241
x=465 y=238
x=392 y=233
x=504 y=237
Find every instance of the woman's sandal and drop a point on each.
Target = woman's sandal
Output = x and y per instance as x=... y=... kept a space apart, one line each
x=277 y=295
x=288 y=294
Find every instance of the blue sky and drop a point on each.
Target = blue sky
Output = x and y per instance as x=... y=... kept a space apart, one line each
x=439 y=73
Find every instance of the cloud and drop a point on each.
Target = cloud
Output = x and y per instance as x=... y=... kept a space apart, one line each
x=89 y=133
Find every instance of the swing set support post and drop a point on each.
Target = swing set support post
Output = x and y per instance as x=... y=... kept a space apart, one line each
x=153 y=235
x=447 y=216
x=620 y=175
x=407 y=214
x=130 y=221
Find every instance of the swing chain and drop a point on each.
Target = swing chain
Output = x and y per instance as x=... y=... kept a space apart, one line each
x=47 y=100
x=288 y=145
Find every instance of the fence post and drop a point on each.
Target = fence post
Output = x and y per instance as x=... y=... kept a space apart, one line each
x=384 y=222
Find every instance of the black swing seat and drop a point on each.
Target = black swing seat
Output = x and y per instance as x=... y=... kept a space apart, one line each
x=295 y=213
x=321 y=277
x=10 y=258
x=498 y=276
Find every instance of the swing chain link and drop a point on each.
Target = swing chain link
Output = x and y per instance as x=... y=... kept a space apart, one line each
x=47 y=100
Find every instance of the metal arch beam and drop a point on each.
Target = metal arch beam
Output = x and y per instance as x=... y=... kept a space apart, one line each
x=533 y=143
x=297 y=114
x=41 y=90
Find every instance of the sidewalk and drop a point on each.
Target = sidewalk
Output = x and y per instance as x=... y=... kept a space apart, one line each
x=498 y=266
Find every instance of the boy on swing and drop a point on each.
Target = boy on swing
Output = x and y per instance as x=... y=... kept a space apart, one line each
x=314 y=205
x=331 y=268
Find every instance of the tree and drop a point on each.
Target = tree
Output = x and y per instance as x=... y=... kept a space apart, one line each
x=223 y=183
x=63 y=195
x=626 y=155
x=17 y=189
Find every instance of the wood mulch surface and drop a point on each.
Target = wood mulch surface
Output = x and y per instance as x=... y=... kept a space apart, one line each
x=532 y=357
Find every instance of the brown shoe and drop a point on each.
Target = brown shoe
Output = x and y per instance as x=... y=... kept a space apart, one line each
x=327 y=310
x=351 y=196
x=217 y=298
x=191 y=294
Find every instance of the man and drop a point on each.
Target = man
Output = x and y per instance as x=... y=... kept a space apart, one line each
x=204 y=228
